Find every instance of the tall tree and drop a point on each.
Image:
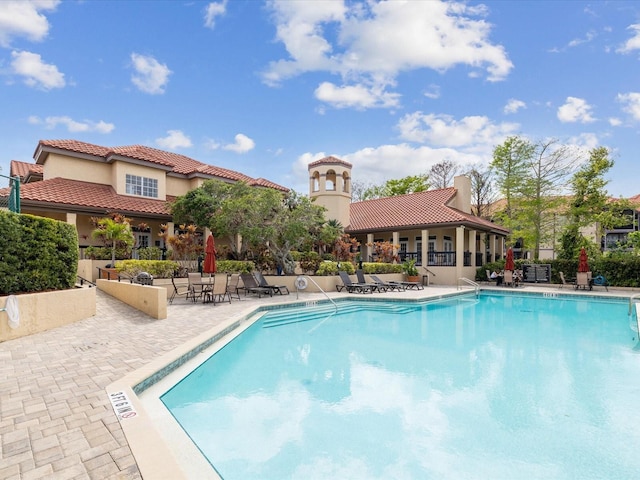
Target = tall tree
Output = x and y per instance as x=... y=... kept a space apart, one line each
x=482 y=193
x=590 y=203
x=441 y=174
x=401 y=186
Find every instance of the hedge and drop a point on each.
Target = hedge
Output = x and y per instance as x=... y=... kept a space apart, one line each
x=36 y=254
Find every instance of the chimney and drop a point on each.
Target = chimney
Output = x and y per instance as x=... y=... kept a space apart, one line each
x=462 y=184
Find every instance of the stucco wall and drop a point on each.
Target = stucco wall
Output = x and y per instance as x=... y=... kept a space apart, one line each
x=46 y=310
x=146 y=298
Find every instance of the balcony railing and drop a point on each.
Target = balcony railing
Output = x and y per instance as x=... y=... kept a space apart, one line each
x=437 y=259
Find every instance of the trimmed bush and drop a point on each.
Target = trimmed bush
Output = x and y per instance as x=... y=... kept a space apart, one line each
x=36 y=254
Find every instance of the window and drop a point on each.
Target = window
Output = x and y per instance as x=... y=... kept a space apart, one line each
x=142 y=186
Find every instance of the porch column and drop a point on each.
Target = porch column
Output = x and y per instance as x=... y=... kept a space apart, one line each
x=483 y=247
x=369 y=247
x=425 y=248
x=72 y=219
x=459 y=251
x=396 y=242
x=472 y=246
x=492 y=247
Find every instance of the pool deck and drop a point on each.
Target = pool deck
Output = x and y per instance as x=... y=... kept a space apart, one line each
x=56 y=419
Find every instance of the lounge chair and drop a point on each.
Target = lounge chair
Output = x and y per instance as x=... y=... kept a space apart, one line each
x=250 y=285
x=350 y=286
x=279 y=289
x=388 y=285
x=375 y=286
x=178 y=290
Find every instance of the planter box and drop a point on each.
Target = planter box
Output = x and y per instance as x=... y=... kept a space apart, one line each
x=46 y=310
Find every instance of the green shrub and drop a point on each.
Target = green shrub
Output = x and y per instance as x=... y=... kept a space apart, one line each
x=331 y=268
x=309 y=261
x=376 y=268
x=36 y=254
x=157 y=268
x=150 y=253
x=235 y=266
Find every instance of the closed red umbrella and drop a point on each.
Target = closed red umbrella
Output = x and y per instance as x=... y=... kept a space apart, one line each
x=509 y=264
x=583 y=264
x=210 y=258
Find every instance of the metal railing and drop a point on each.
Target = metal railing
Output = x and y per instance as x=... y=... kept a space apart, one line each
x=469 y=282
x=319 y=288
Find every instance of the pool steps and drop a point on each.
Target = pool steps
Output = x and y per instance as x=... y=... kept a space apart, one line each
x=320 y=312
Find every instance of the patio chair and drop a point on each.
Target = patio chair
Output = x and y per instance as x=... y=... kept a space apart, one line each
x=197 y=286
x=397 y=286
x=350 y=286
x=219 y=291
x=250 y=285
x=279 y=289
x=583 y=281
x=178 y=290
x=563 y=281
x=233 y=286
x=509 y=280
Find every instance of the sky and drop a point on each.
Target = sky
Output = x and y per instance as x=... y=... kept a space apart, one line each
x=265 y=87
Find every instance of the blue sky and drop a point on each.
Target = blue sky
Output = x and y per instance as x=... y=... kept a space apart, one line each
x=266 y=87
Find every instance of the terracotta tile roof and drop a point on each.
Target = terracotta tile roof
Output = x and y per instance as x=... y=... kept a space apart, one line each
x=24 y=169
x=74 y=195
x=415 y=210
x=173 y=162
x=330 y=160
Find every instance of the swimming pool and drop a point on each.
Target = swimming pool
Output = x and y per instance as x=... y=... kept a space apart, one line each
x=500 y=386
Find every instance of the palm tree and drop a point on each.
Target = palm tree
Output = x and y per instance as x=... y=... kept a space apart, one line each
x=114 y=233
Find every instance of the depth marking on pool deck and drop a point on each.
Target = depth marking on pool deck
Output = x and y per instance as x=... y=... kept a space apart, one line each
x=122 y=406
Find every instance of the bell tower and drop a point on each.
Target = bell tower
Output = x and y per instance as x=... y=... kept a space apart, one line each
x=330 y=186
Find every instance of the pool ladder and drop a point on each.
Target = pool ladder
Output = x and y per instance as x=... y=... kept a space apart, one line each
x=633 y=301
x=470 y=282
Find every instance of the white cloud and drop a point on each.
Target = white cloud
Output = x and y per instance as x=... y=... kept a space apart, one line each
x=242 y=145
x=469 y=133
x=575 y=110
x=174 y=140
x=433 y=92
x=23 y=18
x=213 y=11
x=356 y=96
x=630 y=103
x=375 y=41
x=615 y=122
x=150 y=76
x=36 y=73
x=634 y=42
x=514 y=105
x=72 y=125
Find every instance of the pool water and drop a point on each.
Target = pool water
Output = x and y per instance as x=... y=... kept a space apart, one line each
x=495 y=387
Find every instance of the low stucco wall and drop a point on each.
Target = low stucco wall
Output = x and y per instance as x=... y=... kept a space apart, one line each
x=146 y=298
x=46 y=310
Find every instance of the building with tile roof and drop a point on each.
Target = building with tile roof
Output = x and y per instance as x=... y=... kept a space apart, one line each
x=73 y=181
x=435 y=225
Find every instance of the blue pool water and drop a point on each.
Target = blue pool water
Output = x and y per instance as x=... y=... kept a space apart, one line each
x=500 y=387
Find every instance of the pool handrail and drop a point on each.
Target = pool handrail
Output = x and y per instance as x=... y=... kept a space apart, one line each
x=631 y=301
x=470 y=282
x=319 y=288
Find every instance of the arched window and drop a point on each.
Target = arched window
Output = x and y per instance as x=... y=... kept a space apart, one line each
x=345 y=182
x=331 y=180
x=315 y=182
